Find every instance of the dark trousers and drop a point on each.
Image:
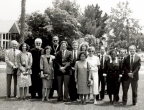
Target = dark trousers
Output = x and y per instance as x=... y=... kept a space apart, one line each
x=9 y=78
x=117 y=98
x=36 y=86
x=72 y=88
x=134 y=85
x=54 y=87
x=102 y=83
x=63 y=79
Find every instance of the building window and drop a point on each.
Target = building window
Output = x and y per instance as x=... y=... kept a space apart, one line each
x=7 y=36
x=3 y=36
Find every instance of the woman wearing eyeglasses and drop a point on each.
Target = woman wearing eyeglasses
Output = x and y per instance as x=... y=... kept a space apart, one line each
x=94 y=63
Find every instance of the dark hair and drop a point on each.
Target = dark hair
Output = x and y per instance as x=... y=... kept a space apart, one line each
x=84 y=44
x=64 y=42
x=21 y=45
x=82 y=53
x=47 y=47
x=111 y=51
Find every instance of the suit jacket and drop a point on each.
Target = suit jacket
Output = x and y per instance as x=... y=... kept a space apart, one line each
x=10 y=60
x=46 y=66
x=67 y=60
x=55 y=50
x=135 y=68
x=104 y=64
x=74 y=61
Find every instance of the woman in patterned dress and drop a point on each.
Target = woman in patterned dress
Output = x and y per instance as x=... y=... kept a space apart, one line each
x=81 y=77
x=24 y=60
x=93 y=64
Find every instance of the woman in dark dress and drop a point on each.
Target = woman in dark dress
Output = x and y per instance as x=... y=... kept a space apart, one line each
x=113 y=75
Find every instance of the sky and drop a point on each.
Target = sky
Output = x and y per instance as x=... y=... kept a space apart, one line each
x=11 y=9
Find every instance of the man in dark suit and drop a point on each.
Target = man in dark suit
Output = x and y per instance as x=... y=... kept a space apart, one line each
x=122 y=54
x=131 y=64
x=55 y=48
x=72 y=88
x=63 y=60
x=103 y=57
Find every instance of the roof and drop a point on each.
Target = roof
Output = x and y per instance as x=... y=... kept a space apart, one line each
x=9 y=26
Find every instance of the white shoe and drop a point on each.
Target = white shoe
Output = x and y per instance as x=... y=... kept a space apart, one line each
x=95 y=102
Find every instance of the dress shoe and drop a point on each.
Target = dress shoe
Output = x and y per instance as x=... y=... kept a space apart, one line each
x=134 y=104
x=8 y=96
x=124 y=103
x=65 y=100
x=59 y=99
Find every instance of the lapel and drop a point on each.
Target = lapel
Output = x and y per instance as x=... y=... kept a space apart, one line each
x=129 y=59
x=135 y=59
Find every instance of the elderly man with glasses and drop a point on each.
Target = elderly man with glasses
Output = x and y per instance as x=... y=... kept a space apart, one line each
x=55 y=48
x=35 y=77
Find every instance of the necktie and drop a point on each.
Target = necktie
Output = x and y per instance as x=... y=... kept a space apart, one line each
x=74 y=55
x=62 y=53
x=131 y=63
x=14 y=57
x=102 y=61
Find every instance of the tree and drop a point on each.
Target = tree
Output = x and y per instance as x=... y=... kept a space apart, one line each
x=121 y=27
x=71 y=7
x=64 y=25
x=23 y=2
x=92 y=21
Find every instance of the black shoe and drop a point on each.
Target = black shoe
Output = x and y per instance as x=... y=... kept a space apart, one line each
x=134 y=104
x=8 y=97
x=124 y=103
x=59 y=99
x=66 y=100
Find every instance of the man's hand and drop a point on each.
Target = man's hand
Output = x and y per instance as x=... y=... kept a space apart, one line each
x=130 y=75
x=62 y=69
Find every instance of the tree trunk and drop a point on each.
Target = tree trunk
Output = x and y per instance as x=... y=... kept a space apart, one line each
x=21 y=40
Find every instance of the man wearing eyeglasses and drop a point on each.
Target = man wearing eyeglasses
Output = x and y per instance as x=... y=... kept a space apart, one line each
x=35 y=77
x=55 y=48
x=103 y=58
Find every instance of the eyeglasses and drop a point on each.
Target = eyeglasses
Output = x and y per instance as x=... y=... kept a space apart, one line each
x=38 y=43
x=55 y=40
x=91 y=51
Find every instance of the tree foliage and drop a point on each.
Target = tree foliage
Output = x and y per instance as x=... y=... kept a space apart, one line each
x=63 y=23
x=92 y=21
x=121 y=26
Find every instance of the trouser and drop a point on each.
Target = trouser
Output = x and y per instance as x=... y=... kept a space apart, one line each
x=54 y=87
x=117 y=98
x=63 y=79
x=72 y=88
x=9 y=78
x=102 y=83
x=36 y=86
x=134 y=86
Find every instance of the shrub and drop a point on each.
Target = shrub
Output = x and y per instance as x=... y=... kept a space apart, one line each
x=2 y=54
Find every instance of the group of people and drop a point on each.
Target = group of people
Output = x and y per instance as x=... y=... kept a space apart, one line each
x=82 y=71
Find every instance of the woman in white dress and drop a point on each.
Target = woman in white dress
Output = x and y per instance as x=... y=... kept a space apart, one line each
x=93 y=64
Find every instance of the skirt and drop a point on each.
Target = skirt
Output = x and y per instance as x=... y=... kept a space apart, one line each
x=47 y=83
x=23 y=81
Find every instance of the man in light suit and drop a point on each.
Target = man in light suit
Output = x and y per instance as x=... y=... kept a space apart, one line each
x=131 y=64
x=11 y=67
x=72 y=88
x=103 y=58
x=63 y=60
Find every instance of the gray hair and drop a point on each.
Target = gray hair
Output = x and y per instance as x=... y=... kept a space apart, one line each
x=14 y=42
x=132 y=47
x=38 y=40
